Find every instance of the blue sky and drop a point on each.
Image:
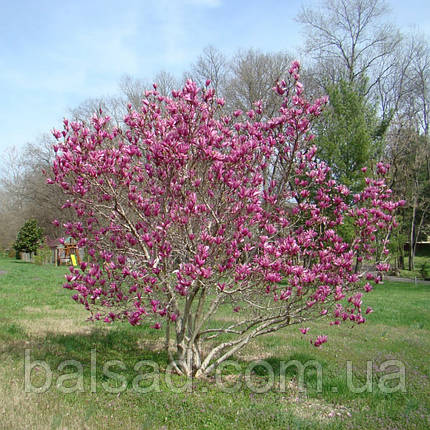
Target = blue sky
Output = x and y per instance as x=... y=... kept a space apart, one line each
x=53 y=55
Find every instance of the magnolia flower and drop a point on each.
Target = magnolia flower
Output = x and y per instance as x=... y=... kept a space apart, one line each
x=320 y=340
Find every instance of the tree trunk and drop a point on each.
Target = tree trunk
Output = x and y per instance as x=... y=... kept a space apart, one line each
x=188 y=359
x=418 y=232
x=412 y=237
x=401 y=256
x=358 y=265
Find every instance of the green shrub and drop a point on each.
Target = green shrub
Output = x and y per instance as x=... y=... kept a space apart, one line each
x=425 y=270
x=29 y=237
x=43 y=255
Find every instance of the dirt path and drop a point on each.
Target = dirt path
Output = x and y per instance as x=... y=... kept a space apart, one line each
x=398 y=279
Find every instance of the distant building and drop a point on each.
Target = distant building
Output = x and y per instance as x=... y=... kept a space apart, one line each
x=61 y=253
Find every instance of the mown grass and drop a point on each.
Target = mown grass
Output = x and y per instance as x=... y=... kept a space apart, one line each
x=416 y=273
x=36 y=314
x=422 y=257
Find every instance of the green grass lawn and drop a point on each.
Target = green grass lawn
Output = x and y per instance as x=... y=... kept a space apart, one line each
x=37 y=315
x=421 y=258
x=416 y=273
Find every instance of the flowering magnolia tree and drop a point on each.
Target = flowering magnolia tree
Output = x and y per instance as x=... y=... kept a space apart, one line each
x=184 y=211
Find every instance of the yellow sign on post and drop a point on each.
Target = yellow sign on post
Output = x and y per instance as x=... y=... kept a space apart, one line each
x=73 y=258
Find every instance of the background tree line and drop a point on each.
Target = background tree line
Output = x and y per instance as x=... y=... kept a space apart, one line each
x=378 y=82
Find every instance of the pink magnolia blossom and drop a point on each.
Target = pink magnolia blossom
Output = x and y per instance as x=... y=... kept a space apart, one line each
x=320 y=340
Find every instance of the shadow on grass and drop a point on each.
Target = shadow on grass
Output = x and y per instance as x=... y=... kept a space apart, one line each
x=97 y=347
x=131 y=347
x=10 y=330
x=304 y=369
x=21 y=262
x=122 y=343
x=122 y=349
x=308 y=373
x=290 y=365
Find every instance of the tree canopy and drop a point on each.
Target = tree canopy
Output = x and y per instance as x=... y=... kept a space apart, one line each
x=29 y=237
x=349 y=134
x=183 y=213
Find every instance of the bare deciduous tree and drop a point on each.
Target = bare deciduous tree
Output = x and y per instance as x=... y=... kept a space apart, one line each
x=133 y=89
x=349 y=40
x=408 y=155
x=24 y=193
x=166 y=82
x=253 y=76
x=212 y=65
x=114 y=106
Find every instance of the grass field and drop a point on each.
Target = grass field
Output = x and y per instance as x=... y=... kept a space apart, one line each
x=37 y=315
x=416 y=273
